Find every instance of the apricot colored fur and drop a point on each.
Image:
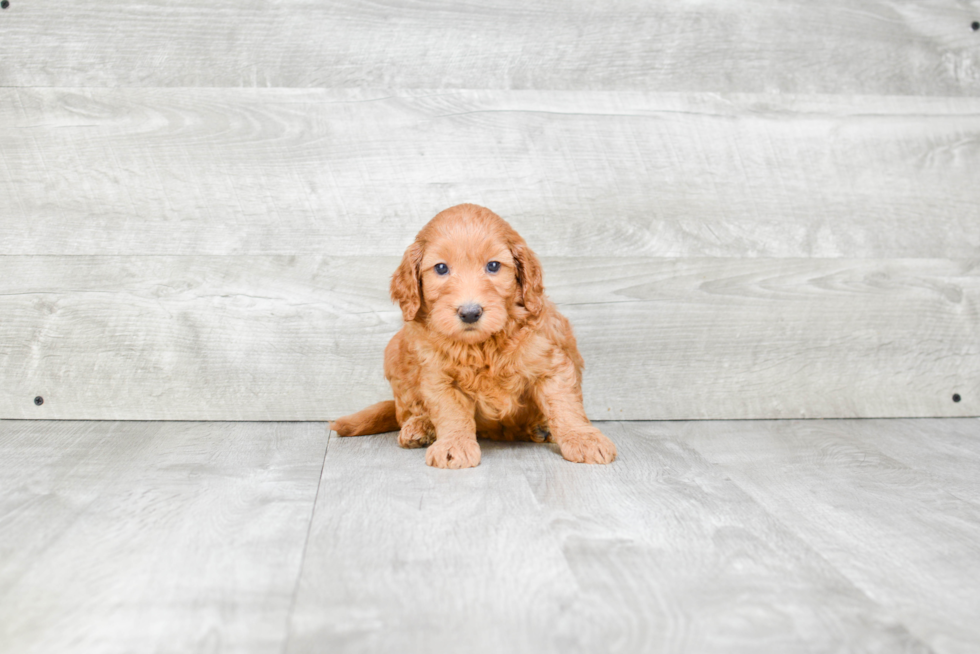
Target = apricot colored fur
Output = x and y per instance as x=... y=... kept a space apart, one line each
x=514 y=374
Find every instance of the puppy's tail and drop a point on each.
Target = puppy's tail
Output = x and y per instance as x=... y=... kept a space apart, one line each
x=376 y=419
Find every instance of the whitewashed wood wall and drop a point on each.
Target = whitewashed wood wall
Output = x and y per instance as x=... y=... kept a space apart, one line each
x=754 y=209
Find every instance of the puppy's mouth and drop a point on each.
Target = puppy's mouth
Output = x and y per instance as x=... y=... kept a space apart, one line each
x=464 y=326
x=472 y=334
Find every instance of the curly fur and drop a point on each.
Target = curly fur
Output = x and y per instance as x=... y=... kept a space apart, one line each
x=514 y=374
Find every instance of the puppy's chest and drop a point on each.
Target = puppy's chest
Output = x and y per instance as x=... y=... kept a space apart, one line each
x=495 y=386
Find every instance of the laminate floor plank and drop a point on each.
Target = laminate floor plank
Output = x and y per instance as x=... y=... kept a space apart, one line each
x=766 y=536
x=671 y=556
x=899 y=532
x=152 y=537
x=659 y=552
x=406 y=558
x=946 y=450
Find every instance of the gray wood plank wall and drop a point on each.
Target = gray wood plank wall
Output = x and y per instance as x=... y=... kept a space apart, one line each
x=757 y=46
x=228 y=171
x=749 y=210
x=301 y=337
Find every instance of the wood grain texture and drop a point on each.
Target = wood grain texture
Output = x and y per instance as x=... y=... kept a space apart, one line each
x=947 y=450
x=301 y=338
x=756 y=537
x=404 y=558
x=280 y=171
x=893 y=529
x=659 y=552
x=871 y=46
x=162 y=537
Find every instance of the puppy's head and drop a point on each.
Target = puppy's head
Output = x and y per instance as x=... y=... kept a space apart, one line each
x=467 y=273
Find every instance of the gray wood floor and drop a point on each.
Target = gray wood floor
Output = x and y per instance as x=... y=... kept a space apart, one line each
x=749 y=536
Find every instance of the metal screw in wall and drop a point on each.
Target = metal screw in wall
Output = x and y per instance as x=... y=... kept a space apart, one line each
x=956 y=397
x=39 y=400
x=975 y=25
x=4 y=4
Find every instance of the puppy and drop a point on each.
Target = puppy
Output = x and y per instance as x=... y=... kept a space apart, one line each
x=483 y=351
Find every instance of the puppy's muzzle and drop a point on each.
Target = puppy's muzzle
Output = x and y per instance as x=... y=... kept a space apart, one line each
x=470 y=313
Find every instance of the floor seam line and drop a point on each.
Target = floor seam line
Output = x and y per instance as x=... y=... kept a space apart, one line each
x=306 y=543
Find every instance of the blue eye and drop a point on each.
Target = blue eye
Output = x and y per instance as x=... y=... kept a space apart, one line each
x=493 y=266
x=441 y=268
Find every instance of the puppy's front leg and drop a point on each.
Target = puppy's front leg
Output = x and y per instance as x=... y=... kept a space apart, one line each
x=453 y=415
x=560 y=398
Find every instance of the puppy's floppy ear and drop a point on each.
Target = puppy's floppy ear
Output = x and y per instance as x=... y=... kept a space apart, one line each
x=406 y=286
x=529 y=275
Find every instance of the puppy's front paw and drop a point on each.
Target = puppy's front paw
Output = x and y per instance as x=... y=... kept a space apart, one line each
x=416 y=432
x=453 y=453
x=588 y=446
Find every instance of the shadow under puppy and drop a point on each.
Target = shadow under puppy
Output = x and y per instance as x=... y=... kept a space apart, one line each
x=483 y=351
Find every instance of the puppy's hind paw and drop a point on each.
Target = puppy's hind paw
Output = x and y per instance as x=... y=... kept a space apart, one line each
x=416 y=432
x=588 y=446
x=540 y=434
x=453 y=453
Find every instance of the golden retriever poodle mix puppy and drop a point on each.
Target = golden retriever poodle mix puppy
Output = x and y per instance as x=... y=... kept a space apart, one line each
x=483 y=352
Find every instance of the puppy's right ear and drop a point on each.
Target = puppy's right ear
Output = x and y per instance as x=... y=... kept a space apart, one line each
x=406 y=286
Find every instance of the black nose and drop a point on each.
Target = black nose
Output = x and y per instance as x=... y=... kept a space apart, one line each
x=470 y=313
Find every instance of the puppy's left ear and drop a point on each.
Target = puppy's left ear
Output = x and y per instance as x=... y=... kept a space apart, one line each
x=406 y=286
x=529 y=275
